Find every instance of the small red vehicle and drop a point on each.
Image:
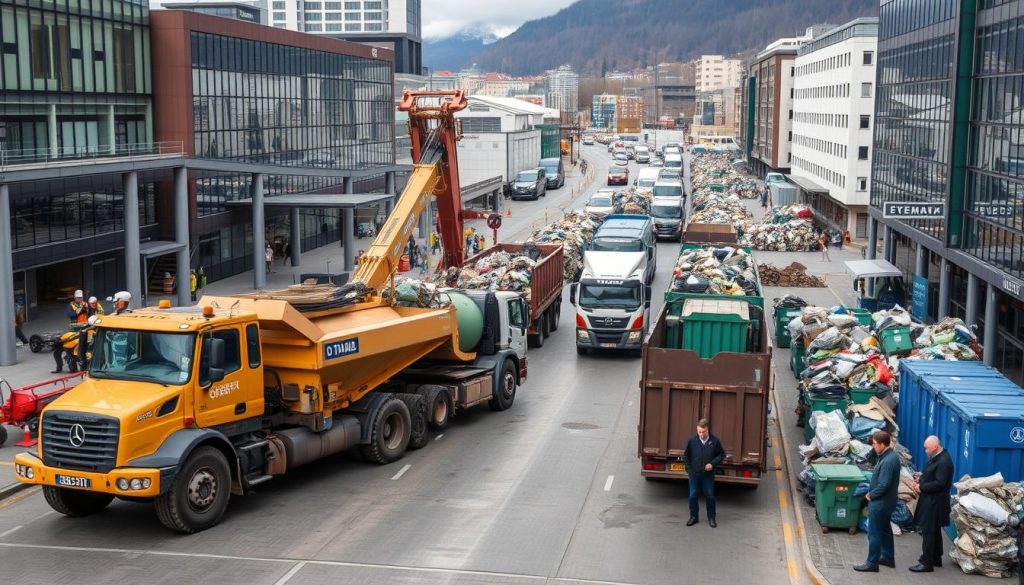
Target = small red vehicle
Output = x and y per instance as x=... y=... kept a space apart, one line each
x=22 y=406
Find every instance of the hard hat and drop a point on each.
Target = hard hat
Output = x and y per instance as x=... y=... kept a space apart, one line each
x=93 y=319
x=93 y=300
x=122 y=296
x=79 y=294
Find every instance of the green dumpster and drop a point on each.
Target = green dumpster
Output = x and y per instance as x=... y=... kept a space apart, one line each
x=796 y=358
x=861 y=395
x=820 y=404
x=863 y=315
x=711 y=326
x=835 y=505
x=717 y=187
x=783 y=315
x=895 y=341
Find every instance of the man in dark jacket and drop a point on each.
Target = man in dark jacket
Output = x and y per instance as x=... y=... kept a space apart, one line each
x=703 y=454
x=933 y=504
x=882 y=498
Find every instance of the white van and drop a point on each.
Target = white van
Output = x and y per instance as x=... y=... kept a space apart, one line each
x=646 y=178
x=675 y=162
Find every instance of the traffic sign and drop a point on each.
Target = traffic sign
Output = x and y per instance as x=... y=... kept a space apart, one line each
x=494 y=221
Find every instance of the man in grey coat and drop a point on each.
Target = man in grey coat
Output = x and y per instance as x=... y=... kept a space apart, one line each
x=882 y=499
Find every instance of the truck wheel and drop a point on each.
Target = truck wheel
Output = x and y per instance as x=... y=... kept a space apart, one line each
x=556 y=314
x=199 y=495
x=417 y=406
x=505 y=393
x=538 y=339
x=35 y=343
x=3 y=435
x=75 y=503
x=546 y=324
x=439 y=406
x=389 y=435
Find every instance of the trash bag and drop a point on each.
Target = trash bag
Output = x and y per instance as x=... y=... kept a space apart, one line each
x=861 y=427
x=790 y=302
x=985 y=508
x=830 y=432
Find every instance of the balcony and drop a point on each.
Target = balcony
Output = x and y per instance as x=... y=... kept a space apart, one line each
x=42 y=158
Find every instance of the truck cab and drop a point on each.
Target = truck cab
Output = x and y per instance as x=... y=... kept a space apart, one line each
x=612 y=302
x=629 y=233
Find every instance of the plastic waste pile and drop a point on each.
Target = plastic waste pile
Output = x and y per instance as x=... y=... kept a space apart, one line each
x=574 y=231
x=417 y=293
x=743 y=186
x=634 y=201
x=712 y=270
x=986 y=512
x=497 y=271
x=711 y=207
x=709 y=168
x=784 y=229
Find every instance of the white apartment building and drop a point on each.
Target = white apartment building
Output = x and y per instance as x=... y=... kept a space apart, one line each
x=561 y=87
x=715 y=72
x=833 y=111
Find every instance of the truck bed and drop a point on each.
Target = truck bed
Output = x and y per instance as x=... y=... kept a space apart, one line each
x=546 y=285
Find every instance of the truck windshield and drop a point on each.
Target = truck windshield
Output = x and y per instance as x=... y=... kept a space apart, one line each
x=617 y=245
x=164 y=358
x=666 y=211
x=624 y=296
x=645 y=183
x=600 y=201
x=667 y=191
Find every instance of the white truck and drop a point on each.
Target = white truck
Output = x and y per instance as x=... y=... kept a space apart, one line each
x=612 y=302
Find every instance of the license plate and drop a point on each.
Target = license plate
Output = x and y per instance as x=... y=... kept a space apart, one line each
x=611 y=345
x=676 y=467
x=72 y=481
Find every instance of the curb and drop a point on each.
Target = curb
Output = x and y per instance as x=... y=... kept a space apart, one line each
x=14 y=488
x=812 y=572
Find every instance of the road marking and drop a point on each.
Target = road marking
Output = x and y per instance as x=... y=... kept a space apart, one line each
x=291 y=573
x=778 y=475
x=401 y=471
x=792 y=570
x=438 y=438
x=608 y=483
x=11 y=531
x=778 y=462
x=783 y=500
x=8 y=463
x=787 y=532
x=19 y=497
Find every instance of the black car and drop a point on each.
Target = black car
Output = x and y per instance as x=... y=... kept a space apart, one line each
x=554 y=170
x=530 y=184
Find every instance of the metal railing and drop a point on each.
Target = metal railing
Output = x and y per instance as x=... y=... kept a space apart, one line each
x=50 y=157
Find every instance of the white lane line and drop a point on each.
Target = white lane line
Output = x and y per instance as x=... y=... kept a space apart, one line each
x=45 y=514
x=401 y=471
x=608 y=483
x=291 y=573
x=438 y=438
x=11 y=531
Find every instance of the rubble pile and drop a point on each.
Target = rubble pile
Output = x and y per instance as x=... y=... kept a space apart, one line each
x=715 y=270
x=784 y=229
x=574 y=231
x=793 y=275
x=986 y=512
x=497 y=271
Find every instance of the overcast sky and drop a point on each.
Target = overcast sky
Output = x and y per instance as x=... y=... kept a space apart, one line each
x=443 y=18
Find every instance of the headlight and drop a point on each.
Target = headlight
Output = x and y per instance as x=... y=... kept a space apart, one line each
x=146 y=482
x=122 y=484
x=634 y=336
x=30 y=473
x=582 y=334
x=136 y=484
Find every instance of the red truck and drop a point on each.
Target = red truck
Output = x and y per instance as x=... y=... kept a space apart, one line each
x=545 y=286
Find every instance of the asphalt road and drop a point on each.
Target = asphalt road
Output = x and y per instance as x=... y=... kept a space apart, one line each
x=546 y=492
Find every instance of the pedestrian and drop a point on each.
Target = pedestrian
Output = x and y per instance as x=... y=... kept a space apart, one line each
x=78 y=310
x=93 y=309
x=122 y=301
x=882 y=499
x=435 y=246
x=193 y=283
x=764 y=198
x=823 y=246
x=268 y=253
x=359 y=256
x=202 y=277
x=933 y=504
x=19 y=320
x=703 y=454
x=287 y=251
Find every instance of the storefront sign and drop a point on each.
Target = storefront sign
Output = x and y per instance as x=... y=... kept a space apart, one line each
x=993 y=210
x=1012 y=286
x=919 y=298
x=912 y=210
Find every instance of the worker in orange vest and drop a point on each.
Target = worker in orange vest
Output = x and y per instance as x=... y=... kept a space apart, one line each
x=78 y=311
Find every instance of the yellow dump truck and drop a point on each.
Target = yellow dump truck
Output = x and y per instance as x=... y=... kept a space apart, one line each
x=186 y=406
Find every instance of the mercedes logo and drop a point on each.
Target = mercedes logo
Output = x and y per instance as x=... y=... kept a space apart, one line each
x=1017 y=434
x=609 y=320
x=76 y=435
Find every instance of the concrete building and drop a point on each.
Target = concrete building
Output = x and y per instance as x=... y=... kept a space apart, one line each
x=629 y=114
x=715 y=72
x=602 y=111
x=773 y=71
x=833 y=111
x=254 y=11
x=389 y=24
x=561 y=86
x=500 y=138
x=948 y=132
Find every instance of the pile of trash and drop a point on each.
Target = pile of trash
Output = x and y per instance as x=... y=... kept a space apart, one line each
x=712 y=207
x=709 y=168
x=633 y=201
x=986 y=512
x=715 y=270
x=784 y=229
x=794 y=275
x=574 y=231
x=745 y=187
x=494 y=272
x=417 y=293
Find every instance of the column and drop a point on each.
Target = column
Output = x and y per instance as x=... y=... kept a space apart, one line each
x=944 y=269
x=921 y=261
x=389 y=188
x=991 y=324
x=8 y=351
x=346 y=224
x=973 y=289
x=295 y=237
x=183 y=257
x=887 y=244
x=259 y=234
x=872 y=249
x=51 y=127
x=132 y=255
x=348 y=239
x=111 y=130
x=497 y=199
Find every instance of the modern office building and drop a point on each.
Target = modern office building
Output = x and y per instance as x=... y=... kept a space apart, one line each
x=715 y=72
x=561 y=86
x=773 y=71
x=833 y=110
x=949 y=129
x=390 y=24
x=254 y=11
x=602 y=111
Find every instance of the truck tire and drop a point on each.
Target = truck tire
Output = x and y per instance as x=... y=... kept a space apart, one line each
x=199 y=495
x=505 y=393
x=417 y=406
x=3 y=435
x=556 y=314
x=75 y=503
x=389 y=433
x=538 y=339
x=35 y=343
x=546 y=324
x=439 y=406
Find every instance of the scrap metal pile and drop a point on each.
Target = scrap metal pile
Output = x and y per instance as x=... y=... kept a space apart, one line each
x=793 y=275
x=633 y=201
x=497 y=271
x=715 y=270
x=574 y=231
x=987 y=512
x=783 y=229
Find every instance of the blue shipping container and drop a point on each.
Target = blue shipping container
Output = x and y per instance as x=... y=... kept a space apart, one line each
x=974 y=410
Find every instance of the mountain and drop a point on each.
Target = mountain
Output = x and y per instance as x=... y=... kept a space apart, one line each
x=605 y=35
x=456 y=52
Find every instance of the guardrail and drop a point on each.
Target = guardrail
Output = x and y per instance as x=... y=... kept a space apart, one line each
x=46 y=157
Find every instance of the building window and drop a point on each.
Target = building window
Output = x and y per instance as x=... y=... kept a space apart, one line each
x=279 y=16
x=374 y=27
x=351 y=6
x=862 y=183
x=865 y=122
x=332 y=5
x=313 y=28
x=332 y=16
x=373 y=16
x=373 y=6
x=311 y=5
x=279 y=5
x=352 y=16
x=862 y=153
x=869 y=57
x=332 y=26
x=313 y=16
x=353 y=27
x=865 y=90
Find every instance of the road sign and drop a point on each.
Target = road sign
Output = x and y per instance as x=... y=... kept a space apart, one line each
x=913 y=210
x=494 y=221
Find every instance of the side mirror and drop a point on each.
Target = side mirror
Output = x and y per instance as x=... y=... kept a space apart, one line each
x=647 y=293
x=573 y=288
x=213 y=361
x=525 y=308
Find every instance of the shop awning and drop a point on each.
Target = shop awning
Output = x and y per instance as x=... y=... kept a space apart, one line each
x=154 y=248
x=871 y=268
x=807 y=185
x=317 y=201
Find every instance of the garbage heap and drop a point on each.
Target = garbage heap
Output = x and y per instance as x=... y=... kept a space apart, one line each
x=744 y=186
x=417 y=293
x=986 y=512
x=723 y=270
x=709 y=207
x=793 y=275
x=574 y=231
x=498 y=271
x=633 y=201
x=784 y=229
x=708 y=168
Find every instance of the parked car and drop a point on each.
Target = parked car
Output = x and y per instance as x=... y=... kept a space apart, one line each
x=530 y=184
x=588 y=140
x=601 y=203
x=554 y=170
x=618 y=175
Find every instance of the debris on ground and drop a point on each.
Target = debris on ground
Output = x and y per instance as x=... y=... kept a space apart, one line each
x=794 y=275
x=986 y=512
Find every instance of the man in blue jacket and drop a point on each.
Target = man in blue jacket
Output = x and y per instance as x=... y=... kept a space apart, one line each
x=882 y=498
x=703 y=454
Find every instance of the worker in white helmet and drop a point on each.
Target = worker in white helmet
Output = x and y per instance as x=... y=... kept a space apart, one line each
x=122 y=301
